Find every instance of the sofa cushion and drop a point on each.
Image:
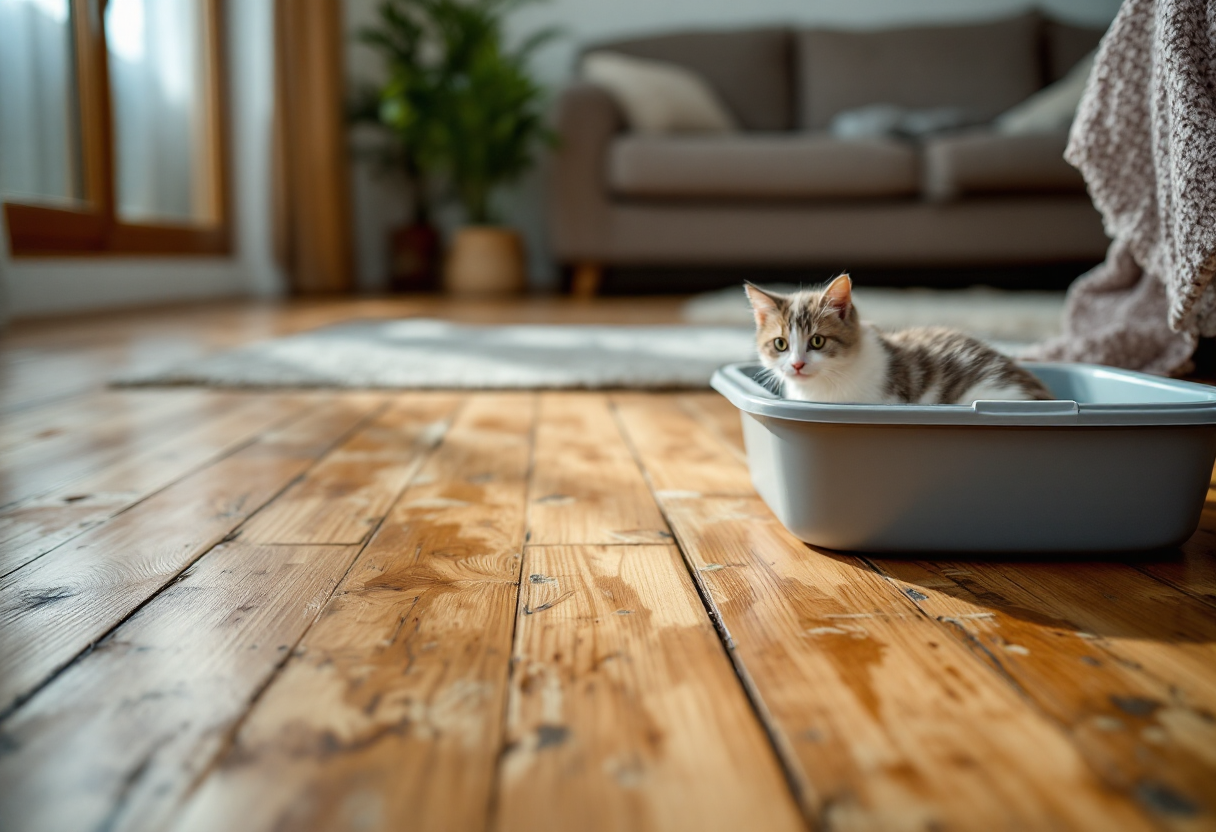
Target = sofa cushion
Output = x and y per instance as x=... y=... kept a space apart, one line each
x=761 y=167
x=1051 y=109
x=1065 y=45
x=984 y=162
x=984 y=68
x=656 y=96
x=750 y=69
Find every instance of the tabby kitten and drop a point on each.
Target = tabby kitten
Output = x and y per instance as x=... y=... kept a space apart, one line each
x=817 y=347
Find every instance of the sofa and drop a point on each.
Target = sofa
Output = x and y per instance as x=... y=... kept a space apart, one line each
x=786 y=191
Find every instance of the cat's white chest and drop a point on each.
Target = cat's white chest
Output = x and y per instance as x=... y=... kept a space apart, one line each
x=832 y=392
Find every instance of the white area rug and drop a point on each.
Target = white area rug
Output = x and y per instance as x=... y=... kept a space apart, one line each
x=421 y=353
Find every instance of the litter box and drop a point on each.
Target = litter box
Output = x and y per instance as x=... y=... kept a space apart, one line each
x=1121 y=462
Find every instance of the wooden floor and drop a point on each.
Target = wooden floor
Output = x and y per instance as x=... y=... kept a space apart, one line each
x=518 y=611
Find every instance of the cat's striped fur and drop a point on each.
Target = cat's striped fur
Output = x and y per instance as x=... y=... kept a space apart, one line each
x=814 y=343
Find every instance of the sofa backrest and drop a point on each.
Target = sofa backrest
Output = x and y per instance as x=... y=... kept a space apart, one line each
x=751 y=70
x=982 y=68
x=779 y=79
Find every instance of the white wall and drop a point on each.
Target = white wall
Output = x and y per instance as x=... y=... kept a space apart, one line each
x=378 y=204
x=44 y=286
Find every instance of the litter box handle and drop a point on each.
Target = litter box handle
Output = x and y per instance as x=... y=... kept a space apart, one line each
x=1055 y=407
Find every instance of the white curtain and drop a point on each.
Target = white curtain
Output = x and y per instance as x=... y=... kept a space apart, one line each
x=158 y=82
x=39 y=147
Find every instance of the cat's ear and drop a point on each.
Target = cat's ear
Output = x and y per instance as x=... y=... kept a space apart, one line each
x=763 y=303
x=839 y=294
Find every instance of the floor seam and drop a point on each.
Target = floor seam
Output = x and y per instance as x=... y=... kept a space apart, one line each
x=785 y=757
x=210 y=462
x=230 y=735
x=496 y=776
x=18 y=703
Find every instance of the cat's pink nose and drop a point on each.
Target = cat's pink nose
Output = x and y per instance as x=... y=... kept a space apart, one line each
x=798 y=365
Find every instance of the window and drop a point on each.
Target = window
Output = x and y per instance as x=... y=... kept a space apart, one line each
x=112 y=126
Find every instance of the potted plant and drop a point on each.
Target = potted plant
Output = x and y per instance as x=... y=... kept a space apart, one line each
x=491 y=119
x=461 y=104
x=406 y=105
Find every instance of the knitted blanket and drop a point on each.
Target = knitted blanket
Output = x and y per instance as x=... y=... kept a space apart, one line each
x=1145 y=141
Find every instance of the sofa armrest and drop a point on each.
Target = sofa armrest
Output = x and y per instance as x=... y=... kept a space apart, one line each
x=578 y=205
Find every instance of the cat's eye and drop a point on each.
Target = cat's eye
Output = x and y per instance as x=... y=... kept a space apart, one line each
x=780 y=344
x=817 y=342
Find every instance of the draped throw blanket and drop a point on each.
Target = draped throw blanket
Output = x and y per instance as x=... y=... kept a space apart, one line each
x=1145 y=141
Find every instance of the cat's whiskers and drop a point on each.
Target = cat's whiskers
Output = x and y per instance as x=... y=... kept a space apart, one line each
x=769 y=377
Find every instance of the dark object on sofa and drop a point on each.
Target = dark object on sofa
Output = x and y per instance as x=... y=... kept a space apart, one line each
x=784 y=191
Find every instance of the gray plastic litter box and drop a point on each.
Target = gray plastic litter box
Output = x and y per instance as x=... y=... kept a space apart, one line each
x=1121 y=462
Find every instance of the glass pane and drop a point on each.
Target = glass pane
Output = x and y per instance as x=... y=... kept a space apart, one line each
x=39 y=129
x=159 y=62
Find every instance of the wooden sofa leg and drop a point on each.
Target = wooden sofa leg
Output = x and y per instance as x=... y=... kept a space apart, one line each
x=587 y=278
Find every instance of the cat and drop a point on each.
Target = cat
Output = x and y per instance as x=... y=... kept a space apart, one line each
x=816 y=346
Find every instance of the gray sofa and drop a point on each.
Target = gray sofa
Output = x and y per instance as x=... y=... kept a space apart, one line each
x=785 y=191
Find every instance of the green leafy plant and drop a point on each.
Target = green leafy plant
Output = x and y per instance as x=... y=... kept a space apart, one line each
x=459 y=100
x=493 y=111
x=407 y=102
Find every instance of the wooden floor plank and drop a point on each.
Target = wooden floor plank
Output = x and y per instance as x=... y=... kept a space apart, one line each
x=31 y=469
x=682 y=455
x=625 y=713
x=66 y=600
x=890 y=722
x=884 y=722
x=343 y=499
x=35 y=527
x=1192 y=568
x=45 y=423
x=1137 y=619
x=389 y=716
x=1165 y=631
x=1077 y=654
x=117 y=739
x=586 y=487
x=718 y=415
x=44 y=371
x=46 y=378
